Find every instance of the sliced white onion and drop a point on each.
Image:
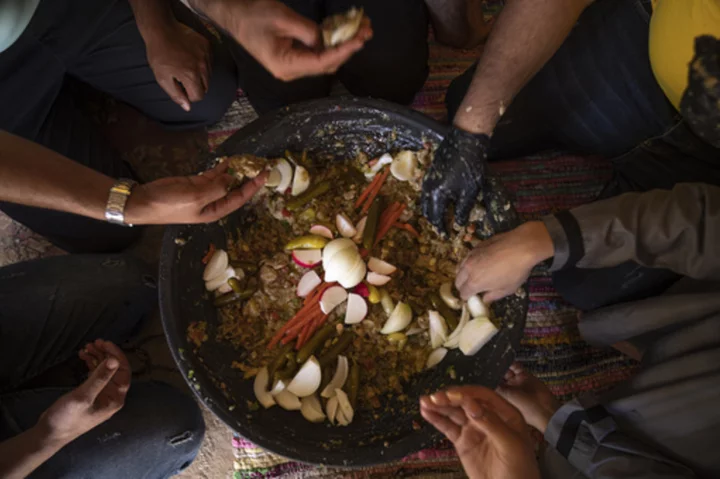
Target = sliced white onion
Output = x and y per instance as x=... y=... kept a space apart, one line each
x=344 y=405
x=288 y=400
x=438 y=329
x=308 y=282
x=413 y=331
x=435 y=357
x=332 y=298
x=216 y=266
x=376 y=265
x=385 y=159
x=377 y=279
x=476 y=334
x=404 y=165
x=398 y=320
x=355 y=275
x=218 y=281
x=357 y=309
x=311 y=409
x=345 y=226
x=307 y=258
x=307 y=379
x=476 y=306
x=286 y=173
x=301 y=181
x=260 y=388
x=338 y=379
x=453 y=340
x=448 y=297
x=331 y=408
x=321 y=230
x=274 y=178
x=278 y=387
x=359 y=230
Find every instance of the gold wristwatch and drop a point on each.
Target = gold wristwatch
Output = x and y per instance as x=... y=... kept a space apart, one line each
x=119 y=194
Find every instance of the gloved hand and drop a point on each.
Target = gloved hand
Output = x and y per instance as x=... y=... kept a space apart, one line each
x=456 y=175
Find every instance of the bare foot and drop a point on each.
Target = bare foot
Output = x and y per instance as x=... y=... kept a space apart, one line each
x=530 y=396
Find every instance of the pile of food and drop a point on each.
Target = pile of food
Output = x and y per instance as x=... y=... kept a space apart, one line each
x=338 y=291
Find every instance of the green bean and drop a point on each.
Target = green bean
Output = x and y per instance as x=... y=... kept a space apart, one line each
x=246 y=266
x=305 y=198
x=315 y=343
x=289 y=370
x=336 y=349
x=354 y=384
x=448 y=314
x=371 y=224
x=233 y=297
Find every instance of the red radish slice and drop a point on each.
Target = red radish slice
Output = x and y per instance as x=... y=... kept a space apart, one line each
x=362 y=290
x=308 y=282
x=356 y=309
x=377 y=279
x=321 y=230
x=359 y=230
x=332 y=298
x=307 y=258
x=345 y=226
x=379 y=266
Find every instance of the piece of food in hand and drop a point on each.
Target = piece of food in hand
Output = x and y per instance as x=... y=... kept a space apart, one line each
x=477 y=307
x=338 y=380
x=311 y=409
x=476 y=334
x=307 y=379
x=448 y=297
x=301 y=181
x=260 y=388
x=398 y=320
x=288 y=401
x=341 y=27
x=246 y=165
x=284 y=169
x=356 y=309
x=435 y=357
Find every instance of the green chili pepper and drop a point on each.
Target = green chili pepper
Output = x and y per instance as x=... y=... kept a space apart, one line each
x=371 y=224
x=315 y=343
x=448 y=314
x=233 y=297
x=336 y=349
x=236 y=285
x=305 y=198
x=289 y=370
x=246 y=266
x=279 y=360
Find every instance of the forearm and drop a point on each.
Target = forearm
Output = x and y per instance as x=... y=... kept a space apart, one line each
x=458 y=23
x=526 y=35
x=22 y=454
x=152 y=17
x=33 y=175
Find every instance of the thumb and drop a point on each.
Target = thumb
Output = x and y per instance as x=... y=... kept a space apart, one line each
x=99 y=378
x=494 y=295
x=294 y=25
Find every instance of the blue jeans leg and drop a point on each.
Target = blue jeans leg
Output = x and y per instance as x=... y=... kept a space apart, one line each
x=155 y=435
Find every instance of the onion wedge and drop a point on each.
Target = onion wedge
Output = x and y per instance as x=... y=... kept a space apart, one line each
x=398 y=320
x=476 y=334
x=449 y=298
x=216 y=266
x=338 y=379
x=308 y=282
x=288 y=401
x=345 y=226
x=307 y=379
x=301 y=181
x=286 y=175
x=453 y=340
x=311 y=409
x=260 y=388
x=477 y=307
x=435 y=357
x=438 y=329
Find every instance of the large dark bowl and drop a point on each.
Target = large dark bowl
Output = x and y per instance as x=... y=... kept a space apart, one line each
x=329 y=128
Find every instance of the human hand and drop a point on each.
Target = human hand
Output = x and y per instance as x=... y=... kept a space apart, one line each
x=498 y=266
x=456 y=175
x=489 y=434
x=180 y=59
x=95 y=400
x=287 y=44
x=190 y=199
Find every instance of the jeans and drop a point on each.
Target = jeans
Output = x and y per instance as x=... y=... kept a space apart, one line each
x=598 y=95
x=50 y=309
x=96 y=42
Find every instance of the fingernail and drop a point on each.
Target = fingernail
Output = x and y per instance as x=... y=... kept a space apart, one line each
x=435 y=398
x=185 y=106
x=454 y=396
x=112 y=363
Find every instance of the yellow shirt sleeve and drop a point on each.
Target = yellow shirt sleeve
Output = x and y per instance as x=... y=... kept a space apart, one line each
x=673 y=28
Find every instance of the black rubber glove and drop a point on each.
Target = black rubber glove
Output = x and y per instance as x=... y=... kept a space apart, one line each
x=456 y=175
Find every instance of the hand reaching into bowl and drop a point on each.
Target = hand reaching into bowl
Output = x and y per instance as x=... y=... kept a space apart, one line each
x=489 y=434
x=499 y=266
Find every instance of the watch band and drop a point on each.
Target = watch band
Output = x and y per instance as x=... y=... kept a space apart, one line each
x=119 y=194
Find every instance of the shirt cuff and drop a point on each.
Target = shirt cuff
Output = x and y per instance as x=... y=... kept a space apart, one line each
x=567 y=240
x=560 y=243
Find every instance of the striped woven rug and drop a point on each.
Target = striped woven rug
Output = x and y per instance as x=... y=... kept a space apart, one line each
x=551 y=349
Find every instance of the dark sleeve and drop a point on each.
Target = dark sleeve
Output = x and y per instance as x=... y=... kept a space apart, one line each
x=677 y=229
x=586 y=435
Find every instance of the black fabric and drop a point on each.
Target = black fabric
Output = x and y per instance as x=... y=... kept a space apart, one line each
x=701 y=102
x=572 y=425
x=391 y=66
x=574 y=236
x=95 y=42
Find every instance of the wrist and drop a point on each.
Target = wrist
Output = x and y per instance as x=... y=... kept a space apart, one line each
x=48 y=438
x=137 y=208
x=537 y=241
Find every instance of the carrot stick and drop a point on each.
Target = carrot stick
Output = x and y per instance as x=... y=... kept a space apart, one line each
x=209 y=254
x=376 y=190
x=367 y=191
x=309 y=311
x=392 y=217
x=407 y=227
x=302 y=337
